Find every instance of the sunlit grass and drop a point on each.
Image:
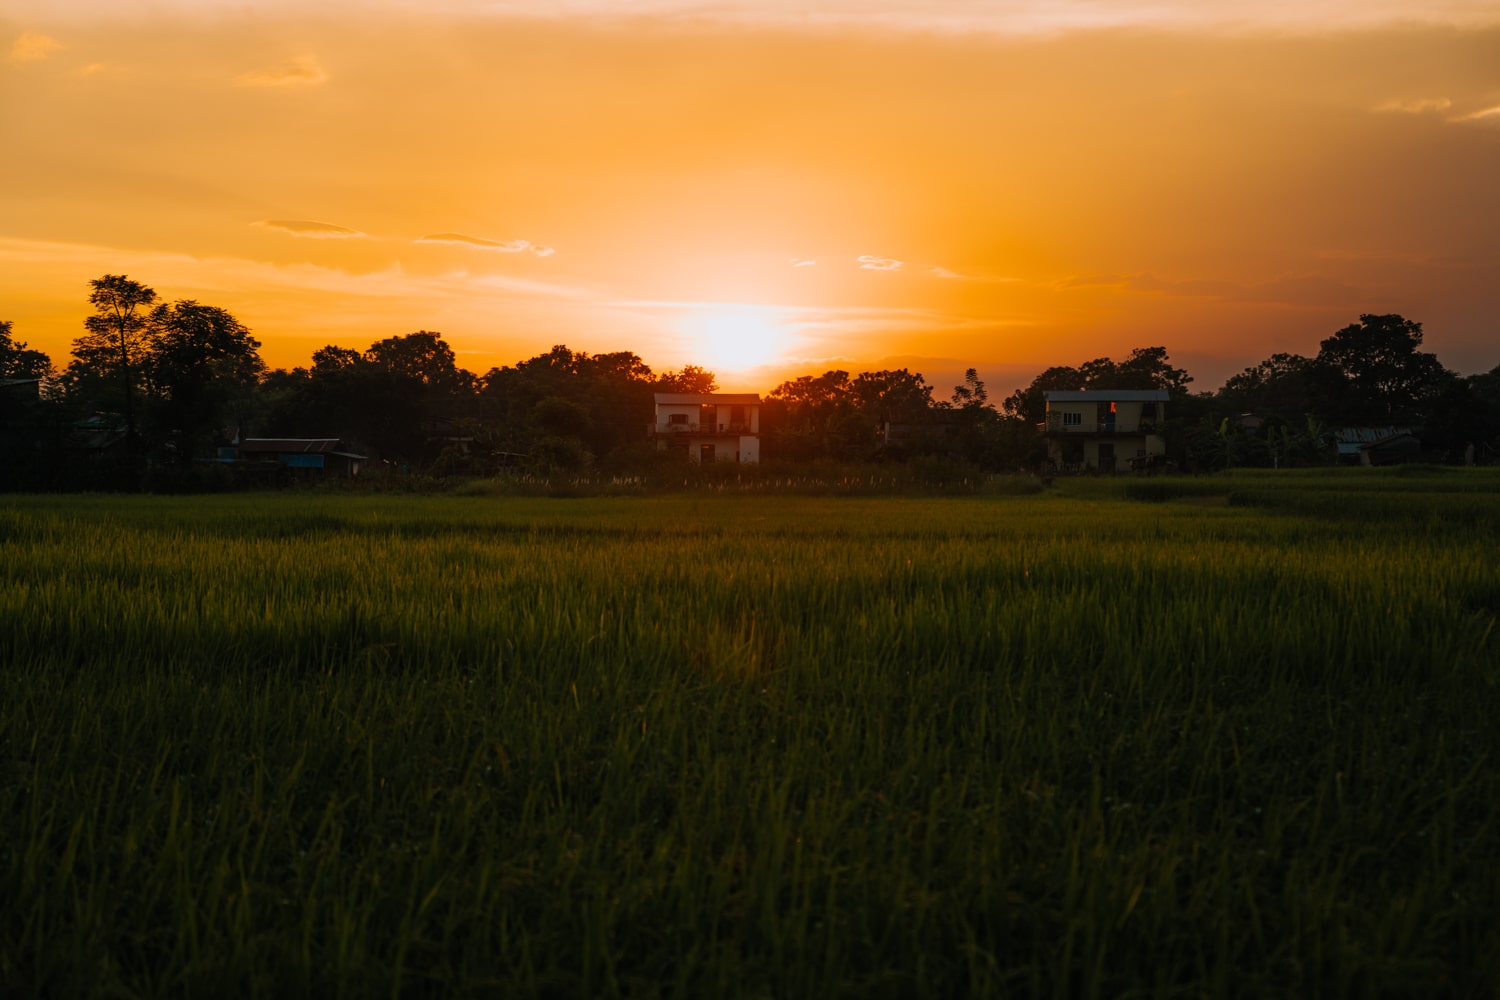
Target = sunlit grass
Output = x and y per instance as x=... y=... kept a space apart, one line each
x=1237 y=741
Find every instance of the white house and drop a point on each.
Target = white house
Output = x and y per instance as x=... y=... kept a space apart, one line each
x=709 y=426
x=1105 y=430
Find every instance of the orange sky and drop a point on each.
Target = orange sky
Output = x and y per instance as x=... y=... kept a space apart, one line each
x=931 y=183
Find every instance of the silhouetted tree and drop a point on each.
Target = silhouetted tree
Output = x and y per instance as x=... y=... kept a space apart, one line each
x=331 y=360
x=1149 y=368
x=1371 y=373
x=201 y=365
x=1030 y=404
x=558 y=426
x=891 y=397
x=814 y=416
x=109 y=359
x=1484 y=392
x=690 y=378
x=19 y=361
x=329 y=399
x=31 y=426
x=614 y=390
x=972 y=393
x=1279 y=389
x=422 y=358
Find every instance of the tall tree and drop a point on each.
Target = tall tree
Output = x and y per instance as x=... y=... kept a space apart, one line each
x=972 y=393
x=613 y=390
x=1371 y=373
x=814 y=416
x=1278 y=389
x=112 y=352
x=331 y=360
x=899 y=396
x=410 y=393
x=1149 y=368
x=201 y=365
x=422 y=357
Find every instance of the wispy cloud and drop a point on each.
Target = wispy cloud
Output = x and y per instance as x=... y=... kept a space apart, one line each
x=870 y=262
x=30 y=46
x=946 y=274
x=803 y=262
x=308 y=229
x=247 y=277
x=1415 y=105
x=303 y=71
x=1489 y=116
x=479 y=242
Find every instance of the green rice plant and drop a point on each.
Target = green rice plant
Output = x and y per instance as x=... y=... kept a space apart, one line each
x=1058 y=744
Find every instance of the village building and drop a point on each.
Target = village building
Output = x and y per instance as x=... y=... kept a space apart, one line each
x=324 y=455
x=1377 y=445
x=708 y=426
x=1105 y=430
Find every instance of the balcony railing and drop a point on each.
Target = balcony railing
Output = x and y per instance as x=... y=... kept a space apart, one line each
x=703 y=430
x=1056 y=425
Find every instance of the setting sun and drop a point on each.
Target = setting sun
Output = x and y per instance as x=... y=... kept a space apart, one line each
x=733 y=338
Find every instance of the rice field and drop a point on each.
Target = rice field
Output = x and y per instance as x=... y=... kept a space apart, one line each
x=1232 y=736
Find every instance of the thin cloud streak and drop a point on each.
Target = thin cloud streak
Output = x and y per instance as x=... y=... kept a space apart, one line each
x=1487 y=115
x=302 y=71
x=1416 y=106
x=479 y=242
x=391 y=282
x=309 y=229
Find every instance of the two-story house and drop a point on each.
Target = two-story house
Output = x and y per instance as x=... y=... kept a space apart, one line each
x=1105 y=430
x=709 y=426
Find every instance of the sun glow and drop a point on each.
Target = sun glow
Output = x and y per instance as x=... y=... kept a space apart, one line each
x=732 y=338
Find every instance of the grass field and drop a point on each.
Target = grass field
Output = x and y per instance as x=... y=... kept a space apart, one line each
x=1224 y=736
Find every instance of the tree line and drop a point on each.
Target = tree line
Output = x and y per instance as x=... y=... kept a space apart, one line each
x=154 y=387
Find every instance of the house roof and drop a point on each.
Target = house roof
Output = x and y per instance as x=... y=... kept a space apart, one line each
x=1368 y=435
x=1353 y=440
x=690 y=398
x=290 y=446
x=1106 y=396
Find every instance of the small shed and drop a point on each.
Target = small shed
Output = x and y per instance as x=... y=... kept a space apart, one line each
x=324 y=455
x=1377 y=445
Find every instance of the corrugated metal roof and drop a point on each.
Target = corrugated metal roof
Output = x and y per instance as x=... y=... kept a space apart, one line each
x=290 y=446
x=1367 y=435
x=723 y=398
x=1106 y=395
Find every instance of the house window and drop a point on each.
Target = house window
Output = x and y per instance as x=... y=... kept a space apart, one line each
x=1072 y=419
x=677 y=418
